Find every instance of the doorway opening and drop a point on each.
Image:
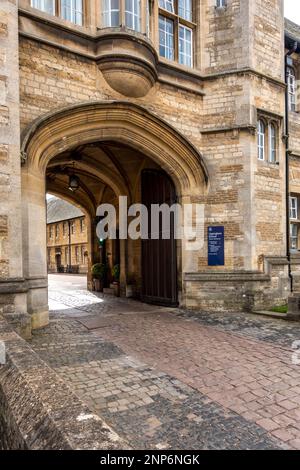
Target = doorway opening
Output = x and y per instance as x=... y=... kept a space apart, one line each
x=145 y=270
x=93 y=153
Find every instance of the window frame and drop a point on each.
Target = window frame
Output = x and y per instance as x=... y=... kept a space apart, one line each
x=186 y=28
x=221 y=3
x=82 y=251
x=134 y=15
x=166 y=34
x=185 y=10
x=292 y=89
x=65 y=224
x=294 y=237
x=66 y=255
x=60 y=10
x=293 y=208
x=272 y=142
x=267 y=144
x=54 y=3
x=142 y=16
x=261 y=144
x=77 y=260
x=57 y=11
x=177 y=21
x=109 y=12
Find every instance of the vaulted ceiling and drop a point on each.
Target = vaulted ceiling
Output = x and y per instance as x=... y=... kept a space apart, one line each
x=105 y=170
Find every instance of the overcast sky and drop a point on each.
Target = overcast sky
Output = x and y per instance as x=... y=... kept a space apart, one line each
x=292 y=10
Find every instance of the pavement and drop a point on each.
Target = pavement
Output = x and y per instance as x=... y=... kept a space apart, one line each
x=173 y=379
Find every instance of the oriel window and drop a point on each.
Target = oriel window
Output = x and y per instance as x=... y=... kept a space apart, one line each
x=133 y=14
x=122 y=13
x=48 y=6
x=72 y=10
x=111 y=13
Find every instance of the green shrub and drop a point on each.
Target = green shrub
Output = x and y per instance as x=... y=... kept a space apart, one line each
x=116 y=272
x=99 y=271
x=281 y=309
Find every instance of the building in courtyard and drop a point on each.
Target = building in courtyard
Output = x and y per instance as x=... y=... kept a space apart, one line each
x=159 y=101
x=67 y=250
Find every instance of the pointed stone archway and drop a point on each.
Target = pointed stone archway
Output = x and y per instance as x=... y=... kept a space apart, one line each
x=56 y=133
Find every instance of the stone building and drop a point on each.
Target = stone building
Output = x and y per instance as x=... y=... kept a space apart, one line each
x=158 y=101
x=67 y=249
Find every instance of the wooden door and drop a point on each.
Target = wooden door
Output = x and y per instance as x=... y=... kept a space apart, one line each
x=159 y=261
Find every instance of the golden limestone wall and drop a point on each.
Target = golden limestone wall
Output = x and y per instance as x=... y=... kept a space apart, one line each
x=294 y=167
x=267 y=33
x=244 y=195
x=51 y=78
x=269 y=178
x=224 y=36
x=58 y=242
x=11 y=295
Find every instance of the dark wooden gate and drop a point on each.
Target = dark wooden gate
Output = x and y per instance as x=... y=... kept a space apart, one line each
x=159 y=263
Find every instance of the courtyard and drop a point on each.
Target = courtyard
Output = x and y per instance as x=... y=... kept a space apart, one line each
x=170 y=379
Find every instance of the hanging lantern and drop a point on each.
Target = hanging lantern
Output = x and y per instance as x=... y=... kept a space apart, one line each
x=73 y=183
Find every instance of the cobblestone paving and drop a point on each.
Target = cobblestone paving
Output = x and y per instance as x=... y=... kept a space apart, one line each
x=271 y=330
x=176 y=380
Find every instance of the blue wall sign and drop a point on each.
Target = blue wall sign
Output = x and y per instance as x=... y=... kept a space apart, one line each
x=216 y=251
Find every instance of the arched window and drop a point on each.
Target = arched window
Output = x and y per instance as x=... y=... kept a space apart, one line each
x=291 y=81
x=272 y=143
x=261 y=134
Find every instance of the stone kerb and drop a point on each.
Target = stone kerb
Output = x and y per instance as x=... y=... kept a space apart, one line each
x=37 y=411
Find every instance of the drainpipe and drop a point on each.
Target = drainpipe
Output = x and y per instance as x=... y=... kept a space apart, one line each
x=287 y=165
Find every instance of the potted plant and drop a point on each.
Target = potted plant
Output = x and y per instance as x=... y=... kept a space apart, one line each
x=116 y=279
x=130 y=285
x=99 y=272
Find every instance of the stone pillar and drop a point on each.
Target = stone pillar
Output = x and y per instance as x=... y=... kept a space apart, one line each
x=90 y=220
x=123 y=267
x=12 y=284
x=35 y=245
x=294 y=307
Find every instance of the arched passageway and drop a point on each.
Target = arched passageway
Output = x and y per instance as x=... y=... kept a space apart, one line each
x=108 y=146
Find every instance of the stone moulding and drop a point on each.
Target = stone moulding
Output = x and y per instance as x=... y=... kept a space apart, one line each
x=123 y=122
x=21 y=285
x=37 y=411
x=227 y=277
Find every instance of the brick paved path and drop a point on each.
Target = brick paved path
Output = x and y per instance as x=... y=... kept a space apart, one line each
x=175 y=379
